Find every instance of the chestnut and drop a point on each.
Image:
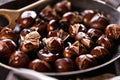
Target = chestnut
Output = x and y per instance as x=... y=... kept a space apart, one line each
x=7 y=47
x=113 y=31
x=100 y=53
x=87 y=16
x=85 y=61
x=8 y=33
x=47 y=56
x=52 y=25
x=64 y=65
x=104 y=41
x=48 y=13
x=31 y=42
x=99 y=21
x=84 y=39
x=39 y=65
x=71 y=17
x=18 y=59
x=62 y=7
x=26 y=19
x=54 y=44
x=94 y=33
x=75 y=28
x=74 y=50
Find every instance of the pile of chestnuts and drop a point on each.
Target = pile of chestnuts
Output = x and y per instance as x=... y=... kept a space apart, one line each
x=58 y=39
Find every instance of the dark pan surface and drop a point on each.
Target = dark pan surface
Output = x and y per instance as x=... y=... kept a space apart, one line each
x=80 y=5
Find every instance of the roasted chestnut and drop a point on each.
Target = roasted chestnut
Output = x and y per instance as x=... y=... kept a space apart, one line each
x=8 y=33
x=100 y=53
x=99 y=21
x=85 y=61
x=94 y=33
x=48 y=56
x=87 y=16
x=39 y=65
x=64 y=65
x=18 y=59
x=30 y=42
x=75 y=28
x=48 y=13
x=52 y=25
x=26 y=19
x=62 y=7
x=74 y=50
x=7 y=47
x=104 y=41
x=54 y=44
x=113 y=31
x=84 y=39
x=71 y=17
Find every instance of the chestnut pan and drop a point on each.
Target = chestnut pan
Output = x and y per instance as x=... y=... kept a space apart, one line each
x=82 y=5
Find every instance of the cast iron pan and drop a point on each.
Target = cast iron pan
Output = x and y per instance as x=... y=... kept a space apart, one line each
x=82 y=5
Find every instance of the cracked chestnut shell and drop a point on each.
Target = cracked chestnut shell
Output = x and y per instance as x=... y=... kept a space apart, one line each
x=94 y=33
x=64 y=65
x=84 y=39
x=113 y=31
x=54 y=44
x=7 y=47
x=18 y=59
x=48 y=56
x=74 y=50
x=75 y=28
x=100 y=53
x=71 y=17
x=8 y=33
x=39 y=65
x=85 y=61
x=104 y=41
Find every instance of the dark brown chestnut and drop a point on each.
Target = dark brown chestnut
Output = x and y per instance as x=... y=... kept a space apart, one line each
x=7 y=47
x=100 y=53
x=64 y=65
x=48 y=56
x=87 y=16
x=18 y=59
x=39 y=65
x=52 y=25
x=30 y=42
x=85 y=61
x=26 y=19
x=40 y=26
x=104 y=41
x=74 y=50
x=99 y=21
x=71 y=17
x=62 y=7
x=75 y=28
x=48 y=13
x=94 y=33
x=8 y=33
x=84 y=39
x=54 y=44
x=113 y=31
